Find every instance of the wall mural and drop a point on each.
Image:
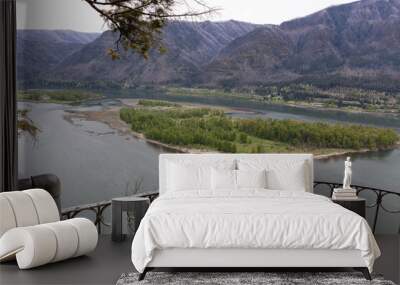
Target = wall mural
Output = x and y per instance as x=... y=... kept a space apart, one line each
x=99 y=102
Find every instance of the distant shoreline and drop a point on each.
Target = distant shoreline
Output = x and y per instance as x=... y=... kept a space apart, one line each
x=301 y=105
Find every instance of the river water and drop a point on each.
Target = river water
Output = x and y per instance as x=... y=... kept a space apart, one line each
x=95 y=162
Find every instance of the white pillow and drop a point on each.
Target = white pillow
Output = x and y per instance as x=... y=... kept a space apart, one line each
x=290 y=176
x=223 y=179
x=184 y=178
x=251 y=178
x=227 y=179
x=187 y=174
x=283 y=174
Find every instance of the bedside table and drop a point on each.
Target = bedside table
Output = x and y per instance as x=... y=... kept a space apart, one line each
x=355 y=205
x=137 y=205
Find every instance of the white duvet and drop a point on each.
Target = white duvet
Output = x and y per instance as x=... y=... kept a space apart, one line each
x=250 y=219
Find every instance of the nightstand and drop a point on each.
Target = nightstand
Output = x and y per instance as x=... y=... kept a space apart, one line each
x=137 y=205
x=356 y=205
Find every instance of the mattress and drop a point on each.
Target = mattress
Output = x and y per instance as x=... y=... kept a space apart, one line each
x=250 y=219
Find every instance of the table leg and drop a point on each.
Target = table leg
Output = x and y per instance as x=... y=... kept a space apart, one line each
x=116 y=234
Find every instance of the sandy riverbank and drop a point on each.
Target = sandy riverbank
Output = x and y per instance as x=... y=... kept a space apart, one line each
x=110 y=117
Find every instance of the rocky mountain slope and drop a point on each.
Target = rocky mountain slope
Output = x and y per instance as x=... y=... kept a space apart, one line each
x=190 y=46
x=358 y=41
x=39 y=51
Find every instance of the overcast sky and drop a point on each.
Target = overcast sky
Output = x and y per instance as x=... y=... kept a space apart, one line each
x=77 y=15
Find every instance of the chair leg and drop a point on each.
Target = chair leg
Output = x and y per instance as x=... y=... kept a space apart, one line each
x=142 y=275
x=364 y=271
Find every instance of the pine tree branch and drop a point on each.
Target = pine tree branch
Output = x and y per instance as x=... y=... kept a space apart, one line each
x=140 y=22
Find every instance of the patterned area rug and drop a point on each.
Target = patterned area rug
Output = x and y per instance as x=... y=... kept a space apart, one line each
x=269 y=278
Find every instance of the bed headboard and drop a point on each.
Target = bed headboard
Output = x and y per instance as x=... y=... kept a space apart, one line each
x=212 y=158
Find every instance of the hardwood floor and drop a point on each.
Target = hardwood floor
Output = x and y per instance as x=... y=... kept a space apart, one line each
x=110 y=260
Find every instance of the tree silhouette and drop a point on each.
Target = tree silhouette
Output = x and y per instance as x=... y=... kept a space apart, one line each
x=140 y=22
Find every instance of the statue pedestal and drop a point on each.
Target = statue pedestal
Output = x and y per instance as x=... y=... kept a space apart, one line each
x=344 y=194
x=342 y=190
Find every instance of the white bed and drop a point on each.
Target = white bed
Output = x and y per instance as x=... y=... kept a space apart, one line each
x=280 y=225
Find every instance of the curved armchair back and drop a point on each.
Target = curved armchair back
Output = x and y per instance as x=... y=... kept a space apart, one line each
x=49 y=182
x=26 y=208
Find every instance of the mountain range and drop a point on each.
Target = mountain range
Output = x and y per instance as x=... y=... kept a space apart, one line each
x=39 y=51
x=352 y=43
x=356 y=44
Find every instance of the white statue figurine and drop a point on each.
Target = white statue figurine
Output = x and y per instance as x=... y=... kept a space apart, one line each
x=347 y=174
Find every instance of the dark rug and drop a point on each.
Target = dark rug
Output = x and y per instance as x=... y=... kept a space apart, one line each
x=239 y=278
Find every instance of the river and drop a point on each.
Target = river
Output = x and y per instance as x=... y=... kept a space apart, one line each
x=95 y=162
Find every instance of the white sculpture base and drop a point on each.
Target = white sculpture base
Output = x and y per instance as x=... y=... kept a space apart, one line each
x=344 y=194
x=343 y=190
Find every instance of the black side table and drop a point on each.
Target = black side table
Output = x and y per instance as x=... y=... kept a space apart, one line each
x=137 y=205
x=356 y=205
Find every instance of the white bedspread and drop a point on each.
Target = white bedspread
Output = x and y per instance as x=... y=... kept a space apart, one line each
x=251 y=219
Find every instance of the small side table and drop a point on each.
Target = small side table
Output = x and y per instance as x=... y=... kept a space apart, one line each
x=355 y=205
x=137 y=205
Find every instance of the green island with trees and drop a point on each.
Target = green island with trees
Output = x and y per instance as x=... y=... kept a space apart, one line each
x=57 y=96
x=212 y=129
x=157 y=103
